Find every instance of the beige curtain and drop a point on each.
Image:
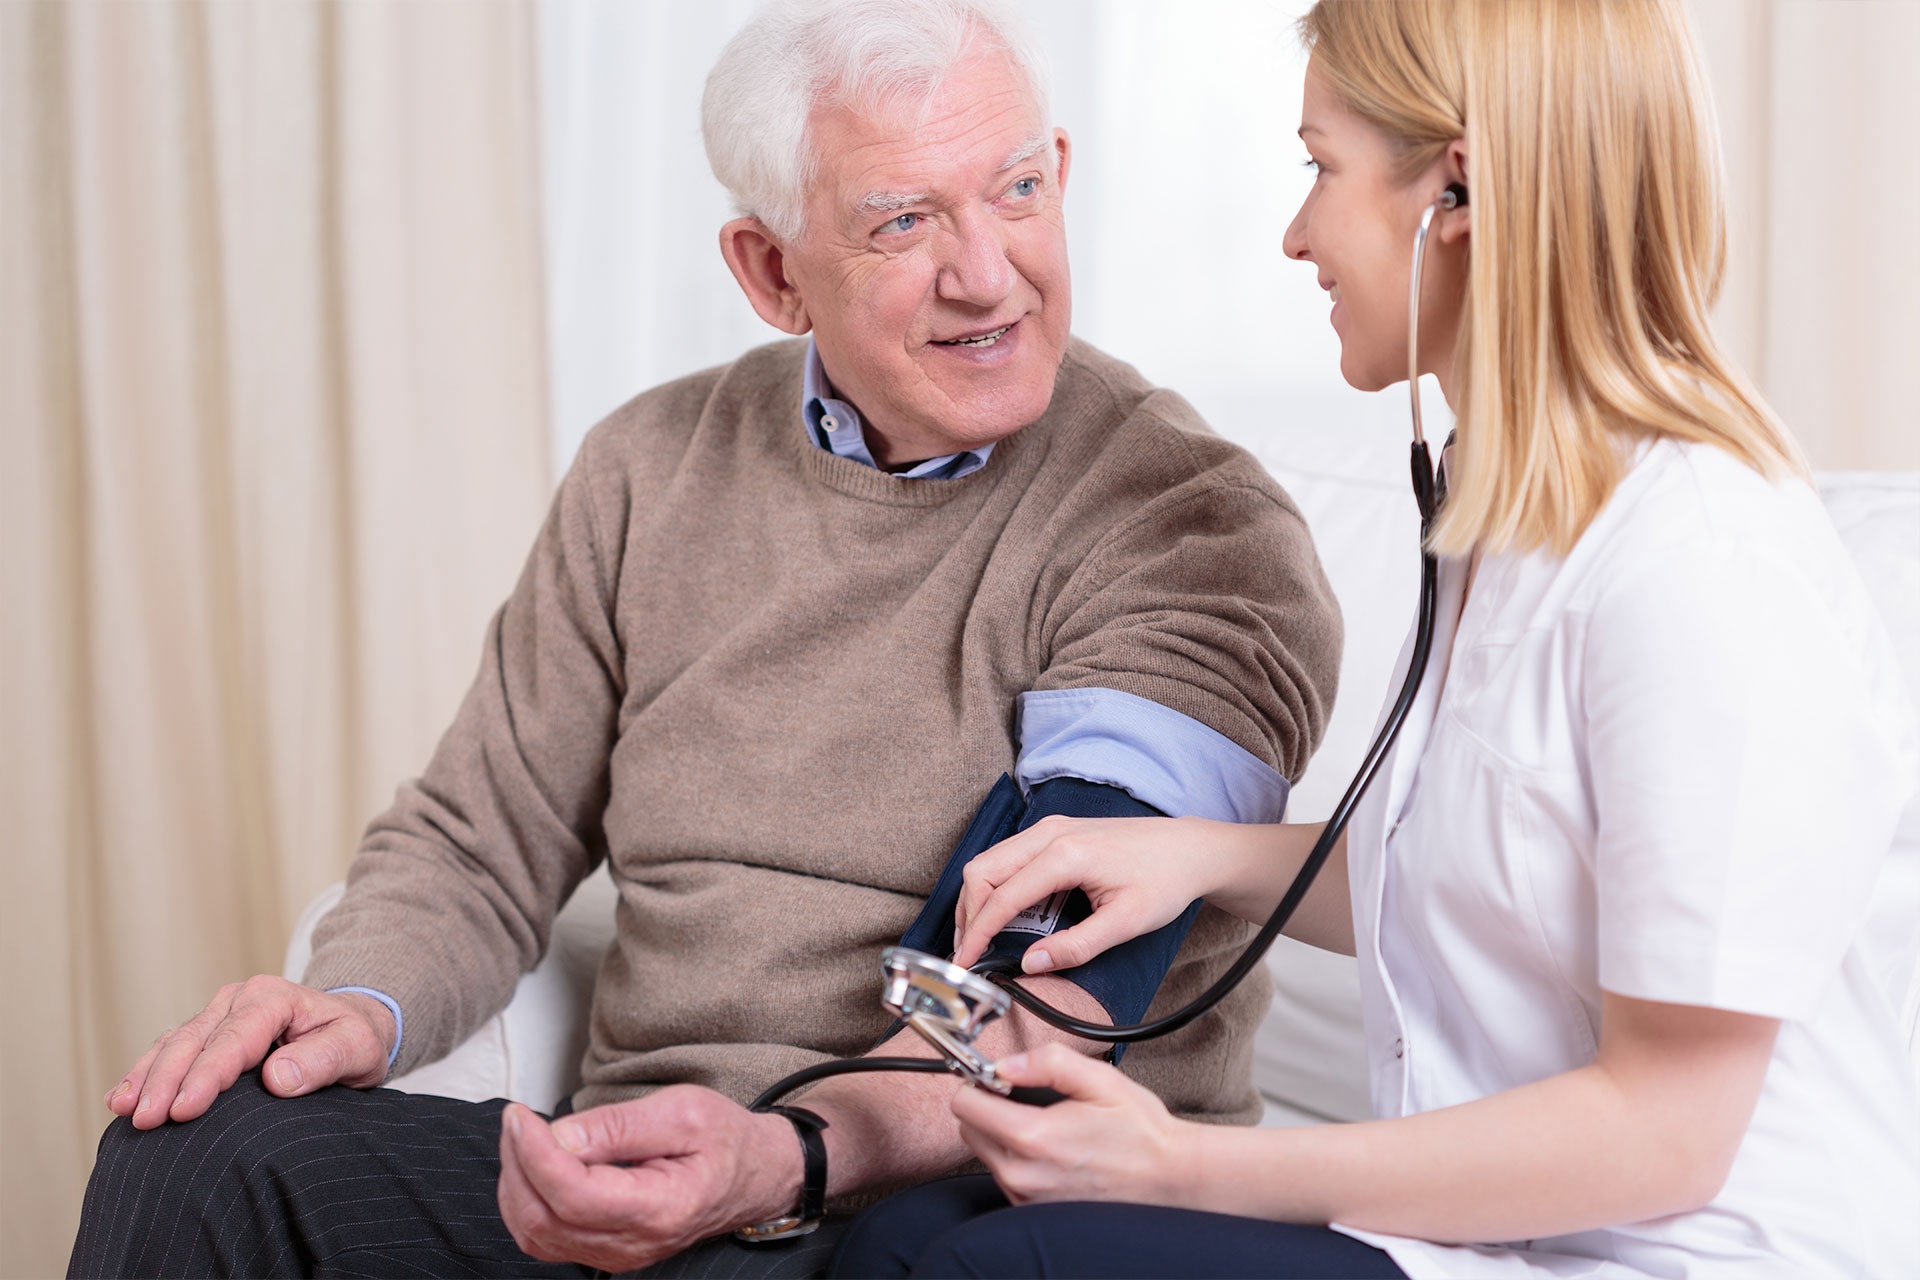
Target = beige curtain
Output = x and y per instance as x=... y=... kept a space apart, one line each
x=1818 y=114
x=275 y=440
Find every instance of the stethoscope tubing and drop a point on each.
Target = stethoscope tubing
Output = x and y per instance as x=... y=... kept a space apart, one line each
x=842 y=1067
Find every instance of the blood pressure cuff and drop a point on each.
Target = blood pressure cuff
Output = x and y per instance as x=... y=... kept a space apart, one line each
x=1123 y=978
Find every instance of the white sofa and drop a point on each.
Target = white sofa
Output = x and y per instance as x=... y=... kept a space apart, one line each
x=1354 y=493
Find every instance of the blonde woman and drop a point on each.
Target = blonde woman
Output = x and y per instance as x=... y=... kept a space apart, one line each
x=1607 y=893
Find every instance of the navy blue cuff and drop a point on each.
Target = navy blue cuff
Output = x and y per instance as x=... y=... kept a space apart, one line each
x=1123 y=978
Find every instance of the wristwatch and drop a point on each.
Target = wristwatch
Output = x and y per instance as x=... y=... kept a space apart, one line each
x=813 y=1184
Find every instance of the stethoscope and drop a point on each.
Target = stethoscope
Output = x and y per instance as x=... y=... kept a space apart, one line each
x=949 y=1006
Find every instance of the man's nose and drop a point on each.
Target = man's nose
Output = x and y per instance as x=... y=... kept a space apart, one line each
x=975 y=268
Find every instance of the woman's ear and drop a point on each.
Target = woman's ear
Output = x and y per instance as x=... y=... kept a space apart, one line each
x=1457 y=224
x=760 y=265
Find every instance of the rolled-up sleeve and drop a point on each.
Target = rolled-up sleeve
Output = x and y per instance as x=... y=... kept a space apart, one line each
x=1209 y=602
x=1153 y=753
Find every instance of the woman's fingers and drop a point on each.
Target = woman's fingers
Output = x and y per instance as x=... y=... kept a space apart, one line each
x=1137 y=871
x=1118 y=915
x=996 y=1128
x=1111 y=924
x=985 y=1146
x=1054 y=1066
x=1024 y=869
x=1021 y=1144
x=1019 y=1128
x=1109 y=1139
x=1035 y=882
x=991 y=867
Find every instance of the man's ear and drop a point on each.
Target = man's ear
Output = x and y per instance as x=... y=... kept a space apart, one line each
x=760 y=265
x=1458 y=223
x=1062 y=148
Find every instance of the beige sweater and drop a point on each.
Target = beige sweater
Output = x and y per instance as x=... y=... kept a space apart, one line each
x=771 y=685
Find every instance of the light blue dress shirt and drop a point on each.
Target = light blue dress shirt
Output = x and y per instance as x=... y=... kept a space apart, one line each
x=835 y=426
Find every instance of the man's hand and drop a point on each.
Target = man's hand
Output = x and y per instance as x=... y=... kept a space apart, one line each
x=327 y=1039
x=691 y=1165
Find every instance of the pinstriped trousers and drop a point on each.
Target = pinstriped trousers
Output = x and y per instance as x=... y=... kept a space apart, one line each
x=343 y=1182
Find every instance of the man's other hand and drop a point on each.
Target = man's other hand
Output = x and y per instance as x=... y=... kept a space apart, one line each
x=327 y=1039
x=622 y=1186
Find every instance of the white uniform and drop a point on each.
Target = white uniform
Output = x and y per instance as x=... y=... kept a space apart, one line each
x=1668 y=765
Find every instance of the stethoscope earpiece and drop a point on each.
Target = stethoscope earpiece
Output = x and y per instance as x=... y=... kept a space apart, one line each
x=1454 y=197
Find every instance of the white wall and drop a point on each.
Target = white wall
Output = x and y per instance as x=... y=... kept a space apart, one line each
x=636 y=290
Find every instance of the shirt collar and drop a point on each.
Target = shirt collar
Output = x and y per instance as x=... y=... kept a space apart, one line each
x=835 y=426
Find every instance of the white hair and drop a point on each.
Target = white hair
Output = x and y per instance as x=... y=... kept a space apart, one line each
x=867 y=54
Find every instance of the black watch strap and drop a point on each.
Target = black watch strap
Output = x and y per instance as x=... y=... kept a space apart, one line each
x=813 y=1181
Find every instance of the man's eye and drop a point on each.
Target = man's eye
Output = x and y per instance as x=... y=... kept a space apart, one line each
x=905 y=222
x=1026 y=187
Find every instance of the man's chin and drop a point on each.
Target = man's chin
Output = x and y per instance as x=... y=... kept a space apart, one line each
x=989 y=405
x=983 y=418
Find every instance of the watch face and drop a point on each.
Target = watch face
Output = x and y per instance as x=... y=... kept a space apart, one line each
x=777 y=1229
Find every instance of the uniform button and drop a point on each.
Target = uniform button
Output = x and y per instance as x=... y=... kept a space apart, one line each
x=1399 y=1048
x=829 y=423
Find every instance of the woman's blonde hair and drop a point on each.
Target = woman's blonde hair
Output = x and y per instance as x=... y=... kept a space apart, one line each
x=1598 y=242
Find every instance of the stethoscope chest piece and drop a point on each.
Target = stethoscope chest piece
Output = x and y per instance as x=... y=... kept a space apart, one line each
x=947 y=1006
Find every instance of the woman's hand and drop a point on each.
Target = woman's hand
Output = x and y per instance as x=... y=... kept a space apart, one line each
x=1110 y=1140
x=1139 y=873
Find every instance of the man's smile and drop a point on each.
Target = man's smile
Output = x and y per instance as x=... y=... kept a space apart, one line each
x=986 y=339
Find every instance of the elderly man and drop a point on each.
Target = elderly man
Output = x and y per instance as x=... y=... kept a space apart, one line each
x=786 y=622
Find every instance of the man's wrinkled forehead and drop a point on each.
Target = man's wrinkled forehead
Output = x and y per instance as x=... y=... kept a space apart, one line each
x=981 y=121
